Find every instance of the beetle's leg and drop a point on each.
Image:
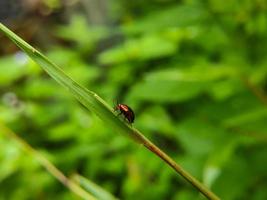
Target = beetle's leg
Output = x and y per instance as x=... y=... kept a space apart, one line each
x=119 y=113
x=127 y=119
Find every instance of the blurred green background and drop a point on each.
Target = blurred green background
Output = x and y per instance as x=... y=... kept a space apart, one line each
x=193 y=71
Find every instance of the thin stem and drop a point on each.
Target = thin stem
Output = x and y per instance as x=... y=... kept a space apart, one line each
x=97 y=105
x=205 y=191
x=257 y=91
x=75 y=188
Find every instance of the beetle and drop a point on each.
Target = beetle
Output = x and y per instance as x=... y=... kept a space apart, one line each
x=126 y=111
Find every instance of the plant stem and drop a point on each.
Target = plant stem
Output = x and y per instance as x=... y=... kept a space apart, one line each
x=205 y=191
x=96 y=104
x=75 y=188
x=257 y=91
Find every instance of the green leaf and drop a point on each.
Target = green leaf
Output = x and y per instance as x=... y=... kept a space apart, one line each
x=79 y=31
x=246 y=117
x=12 y=68
x=145 y=48
x=180 y=84
x=176 y=16
x=167 y=91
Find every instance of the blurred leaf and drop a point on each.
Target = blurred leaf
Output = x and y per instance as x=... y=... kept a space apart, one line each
x=184 y=16
x=63 y=131
x=197 y=137
x=13 y=68
x=164 y=126
x=79 y=31
x=259 y=74
x=9 y=158
x=167 y=91
x=186 y=195
x=41 y=88
x=173 y=85
x=218 y=159
x=49 y=113
x=144 y=48
x=242 y=118
x=224 y=89
x=229 y=184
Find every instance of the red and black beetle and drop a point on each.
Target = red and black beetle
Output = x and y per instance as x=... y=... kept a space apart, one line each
x=126 y=111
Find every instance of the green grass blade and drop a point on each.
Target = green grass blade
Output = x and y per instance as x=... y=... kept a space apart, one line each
x=53 y=170
x=94 y=103
x=92 y=188
x=88 y=98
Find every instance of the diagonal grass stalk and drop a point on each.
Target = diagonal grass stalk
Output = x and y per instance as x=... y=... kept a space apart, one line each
x=72 y=185
x=92 y=188
x=97 y=105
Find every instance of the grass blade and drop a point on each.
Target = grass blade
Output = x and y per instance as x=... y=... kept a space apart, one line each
x=96 y=104
x=73 y=186
x=92 y=188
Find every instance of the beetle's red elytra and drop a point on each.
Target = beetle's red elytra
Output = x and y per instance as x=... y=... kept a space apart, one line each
x=126 y=111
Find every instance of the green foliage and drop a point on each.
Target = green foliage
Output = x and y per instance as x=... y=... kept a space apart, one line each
x=182 y=67
x=93 y=102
